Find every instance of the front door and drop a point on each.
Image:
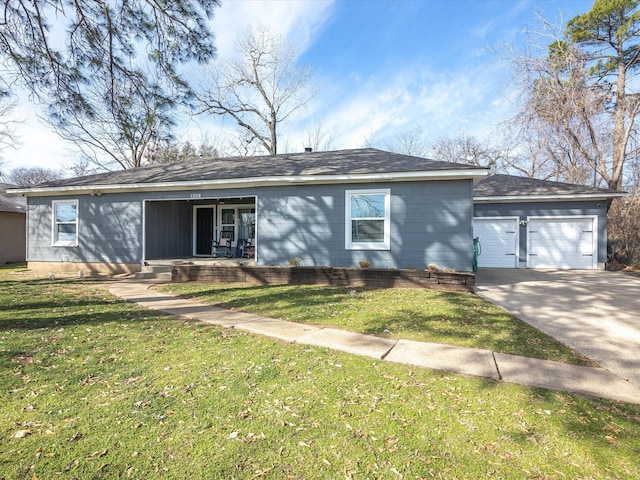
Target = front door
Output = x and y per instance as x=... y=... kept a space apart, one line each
x=204 y=221
x=211 y=222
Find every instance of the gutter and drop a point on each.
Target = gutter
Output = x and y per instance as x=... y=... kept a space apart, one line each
x=99 y=189
x=551 y=197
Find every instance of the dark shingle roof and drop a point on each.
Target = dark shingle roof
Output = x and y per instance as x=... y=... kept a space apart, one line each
x=10 y=202
x=513 y=186
x=340 y=162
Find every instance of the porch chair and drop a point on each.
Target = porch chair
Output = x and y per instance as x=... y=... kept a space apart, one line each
x=249 y=248
x=221 y=247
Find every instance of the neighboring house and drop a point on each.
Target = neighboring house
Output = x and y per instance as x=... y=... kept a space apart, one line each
x=325 y=208
x=12 y=226
x=524 y=222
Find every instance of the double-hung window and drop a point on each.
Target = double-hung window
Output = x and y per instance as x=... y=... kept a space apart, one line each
x=65 y=223
x=368 y=220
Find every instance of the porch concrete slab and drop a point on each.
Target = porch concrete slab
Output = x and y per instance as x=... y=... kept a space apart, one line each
x=597 y=382
x=271 y=327
x=469 y=361
x=356 y=343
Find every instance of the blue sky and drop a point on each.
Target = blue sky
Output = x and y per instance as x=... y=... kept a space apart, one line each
x=379 y=68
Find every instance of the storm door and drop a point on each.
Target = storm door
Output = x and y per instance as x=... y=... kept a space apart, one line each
x=237 y=222
x=246 y=224
x=227 y=223
x=205 y=227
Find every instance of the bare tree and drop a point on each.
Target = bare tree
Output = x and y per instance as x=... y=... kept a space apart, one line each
x=410 y=142
x=181 y=152
x=126 y=119
x=319 y=139
x=30 y=176
x=240 y=142
x=580 y=92
x=623 y=227
x=107 y=71
x=468 y=149
x=260 y=91
x=370 y=141
x=8 y=123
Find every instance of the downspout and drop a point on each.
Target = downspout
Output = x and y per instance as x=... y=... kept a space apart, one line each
x=144 y=233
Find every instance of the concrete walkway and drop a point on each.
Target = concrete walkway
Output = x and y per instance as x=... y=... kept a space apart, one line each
x=596 y=313
x=597 y=382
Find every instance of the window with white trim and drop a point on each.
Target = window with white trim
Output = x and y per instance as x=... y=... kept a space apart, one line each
x=65 y=223
x=367 y=219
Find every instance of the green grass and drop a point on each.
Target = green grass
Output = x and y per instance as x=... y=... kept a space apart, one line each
x=99 y=388
x=412 y=314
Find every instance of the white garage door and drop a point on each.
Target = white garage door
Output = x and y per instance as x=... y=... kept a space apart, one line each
x=564 y=243
x=498 y=241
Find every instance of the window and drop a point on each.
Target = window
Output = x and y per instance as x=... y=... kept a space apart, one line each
x=65 y=223
x=367 y=223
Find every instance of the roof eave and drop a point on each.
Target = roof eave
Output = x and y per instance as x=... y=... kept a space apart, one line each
x=546 y=198
x=99 y=189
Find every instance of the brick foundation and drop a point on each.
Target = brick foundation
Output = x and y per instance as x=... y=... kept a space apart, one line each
x=333 y=276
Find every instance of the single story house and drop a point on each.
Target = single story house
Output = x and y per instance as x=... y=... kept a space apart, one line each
x=319 y=208
x=12 y=226
x=525 y=222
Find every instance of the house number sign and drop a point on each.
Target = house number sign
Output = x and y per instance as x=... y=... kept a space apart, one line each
x=196 y=196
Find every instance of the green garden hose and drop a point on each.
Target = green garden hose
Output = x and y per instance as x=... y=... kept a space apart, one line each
x=477 y=250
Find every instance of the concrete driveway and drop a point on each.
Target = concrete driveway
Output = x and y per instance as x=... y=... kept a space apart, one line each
x=594 y=312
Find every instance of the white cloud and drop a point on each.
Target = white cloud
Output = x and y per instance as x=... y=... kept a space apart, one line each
x=297 y=21
x=384 y=105
x=39 y=145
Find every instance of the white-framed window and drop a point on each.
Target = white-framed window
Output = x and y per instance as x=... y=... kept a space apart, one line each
x=368 y=219
x=64 y=223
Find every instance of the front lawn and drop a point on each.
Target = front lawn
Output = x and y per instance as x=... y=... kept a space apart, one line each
x=461 y=319
x=94 y=387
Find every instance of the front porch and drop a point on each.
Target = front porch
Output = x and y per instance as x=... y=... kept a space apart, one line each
x=206 y=261
x=184 y=230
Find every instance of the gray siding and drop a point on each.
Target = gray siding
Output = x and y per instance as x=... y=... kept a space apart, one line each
x=549 y=209
x=171 y=221
x=109 y=230
x=430 y=223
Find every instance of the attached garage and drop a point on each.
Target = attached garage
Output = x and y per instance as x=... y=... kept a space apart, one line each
x=553 y=225
x=498 y=241
x=563 y=243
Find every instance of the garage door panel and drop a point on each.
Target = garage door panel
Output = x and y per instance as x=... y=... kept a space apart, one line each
x=561 y=243
x=498 y=242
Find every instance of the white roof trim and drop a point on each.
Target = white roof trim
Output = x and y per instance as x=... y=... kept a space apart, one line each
x=545 y=198
x=255 y=182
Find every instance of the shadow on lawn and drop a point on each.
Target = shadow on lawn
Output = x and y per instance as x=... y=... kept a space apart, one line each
x=29 y=305
x=285 y=305
x=296 y=305
x=454 y=318
x=458 y=306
